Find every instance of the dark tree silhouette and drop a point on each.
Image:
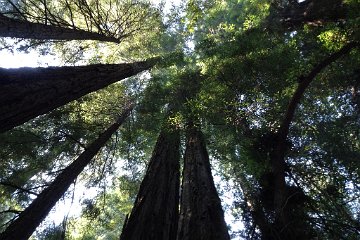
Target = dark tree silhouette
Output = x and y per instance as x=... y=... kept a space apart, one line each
x=34 y=214
x=201 y=215
x=26 y=93
x=155 y=212
x=10 y=27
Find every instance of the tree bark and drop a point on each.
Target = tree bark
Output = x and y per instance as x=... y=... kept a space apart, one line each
x=201 y=215
x=33 y=215
x=10 y=27
x=26 y=93
x=155 y=212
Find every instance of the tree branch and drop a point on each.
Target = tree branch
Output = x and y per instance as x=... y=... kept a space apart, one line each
x=304 y=82
x=8 y=184
x=11 y=211
x=73 y=139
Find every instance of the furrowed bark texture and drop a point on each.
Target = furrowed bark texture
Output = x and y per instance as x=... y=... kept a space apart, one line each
x=201 y=215
x=155 y=212
x=33 y=215
x=10 y=27
x=26 y=93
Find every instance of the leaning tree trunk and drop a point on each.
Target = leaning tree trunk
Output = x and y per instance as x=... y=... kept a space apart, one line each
x=33 y=215
x=26 y=93
x=10 y=27
x=155 y=213
x=290 y=215
x=201 y=215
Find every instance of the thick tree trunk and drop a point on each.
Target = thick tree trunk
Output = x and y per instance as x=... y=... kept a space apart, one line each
x=33 y=215
x=283 y=225
x=10 y=27
x=155 y=213
x=201 y=215
x=26 y=93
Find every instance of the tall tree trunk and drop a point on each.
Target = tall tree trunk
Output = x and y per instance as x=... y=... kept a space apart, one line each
x=254 y=206
x=26 y=93
x=289 y=219
x=155 y=212
x=33 y=215
x=283 y=222
x=10 y=27
x=201 y=215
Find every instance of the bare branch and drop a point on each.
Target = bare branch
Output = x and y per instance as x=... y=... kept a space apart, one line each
x=16 y=9
x=8 y=184
x=11 y=211
x=74 y=139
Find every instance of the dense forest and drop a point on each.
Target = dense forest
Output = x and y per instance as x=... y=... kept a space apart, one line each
x=191 y=120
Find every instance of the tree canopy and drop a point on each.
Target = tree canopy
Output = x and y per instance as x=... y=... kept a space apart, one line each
x=256 y=102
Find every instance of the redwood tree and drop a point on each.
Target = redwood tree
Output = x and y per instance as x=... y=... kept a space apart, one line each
x=109 y=21
x=201 y=215
x=155 y=212
x=10 y=27
x=34 y=214
x=288 y=200
x=26 y=93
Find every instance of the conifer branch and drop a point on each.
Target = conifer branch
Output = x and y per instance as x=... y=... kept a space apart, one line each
x=304 y=82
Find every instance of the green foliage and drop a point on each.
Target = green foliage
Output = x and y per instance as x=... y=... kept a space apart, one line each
x=103 y=216
x=237 y=82
x=52 y=232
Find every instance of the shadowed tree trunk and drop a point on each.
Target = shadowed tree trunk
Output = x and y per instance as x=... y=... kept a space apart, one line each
x=312 y=12
x=289 y=219
x=254 y=206
x=34 y=214
x=280 y=210
x=26 y=93
x=201 y=215
x=155 y=212
x=10 y=27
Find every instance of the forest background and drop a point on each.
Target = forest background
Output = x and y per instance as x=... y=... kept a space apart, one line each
x=273 y=86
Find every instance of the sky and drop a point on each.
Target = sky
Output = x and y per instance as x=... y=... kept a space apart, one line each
x=17 y=59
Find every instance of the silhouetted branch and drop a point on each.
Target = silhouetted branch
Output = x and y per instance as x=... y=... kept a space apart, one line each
x=304 y=82
x=8 y=184
x=11 y=211
x=74 y=139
